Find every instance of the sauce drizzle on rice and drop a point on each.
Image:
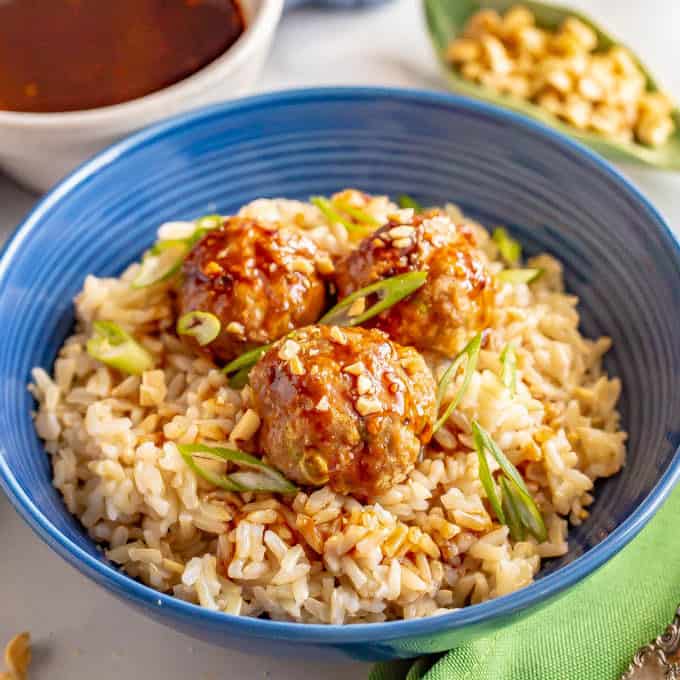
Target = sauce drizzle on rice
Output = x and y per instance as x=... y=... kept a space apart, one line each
x=427 y=543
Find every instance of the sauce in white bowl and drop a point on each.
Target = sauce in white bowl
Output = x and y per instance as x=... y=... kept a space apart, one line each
x=39 y=148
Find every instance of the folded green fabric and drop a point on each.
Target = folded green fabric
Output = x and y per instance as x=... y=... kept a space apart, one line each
x=591 y=633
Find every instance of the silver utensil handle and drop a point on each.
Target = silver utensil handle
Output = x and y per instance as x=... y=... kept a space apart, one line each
x=660 y=659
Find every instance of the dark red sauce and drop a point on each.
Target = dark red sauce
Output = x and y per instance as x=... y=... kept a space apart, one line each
x=67 y=55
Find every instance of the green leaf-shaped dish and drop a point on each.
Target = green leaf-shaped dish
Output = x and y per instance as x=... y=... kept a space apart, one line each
x=446 y=20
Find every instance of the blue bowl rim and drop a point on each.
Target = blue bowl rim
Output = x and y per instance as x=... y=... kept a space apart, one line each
x=486 y=612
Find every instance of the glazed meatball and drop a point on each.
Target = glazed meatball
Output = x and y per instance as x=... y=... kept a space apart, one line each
x=258 y=279
x=453 y=301
x=343 y=406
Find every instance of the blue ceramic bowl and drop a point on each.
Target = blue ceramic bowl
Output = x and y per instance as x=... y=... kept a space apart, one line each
x=621 y=260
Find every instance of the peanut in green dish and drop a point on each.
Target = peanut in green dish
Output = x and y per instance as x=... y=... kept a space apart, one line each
x=564 y=72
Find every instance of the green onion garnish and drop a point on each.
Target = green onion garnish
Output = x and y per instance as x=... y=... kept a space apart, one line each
x=257 y=475
x=330 y=212
x=389 y=291
x=510 y=505
x=203 y=226
x=160 y=263
x=488 y=483
x=238 y=380
x=509 y=368
x=406 y=201
x=239 y=368
x=208 y=222
x=111 y=345
x=519 y=275
x=221 y=481
x=469 y=354
x=161 y=247
x=529 y=515
x=483 y=439
x=164 y=259
x=517 y=500
x=361 y=216
x=266 y=480
x=509 y=248
x=203 y=326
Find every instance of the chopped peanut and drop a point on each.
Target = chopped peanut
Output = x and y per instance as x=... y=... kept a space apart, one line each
x=153 y=390
x=246 y=427
x=364 y=384
x=288 y=350
x=357 y=307
x=561 y=71
x=296 y=366
x=18 y=656
x=236 y=328
x=324 y=264
x=463 y=50
x=365 y=406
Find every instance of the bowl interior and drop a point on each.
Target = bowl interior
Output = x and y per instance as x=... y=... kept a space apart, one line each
x=619 y=258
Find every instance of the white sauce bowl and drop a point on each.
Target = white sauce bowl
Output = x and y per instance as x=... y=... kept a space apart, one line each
x=38 y=149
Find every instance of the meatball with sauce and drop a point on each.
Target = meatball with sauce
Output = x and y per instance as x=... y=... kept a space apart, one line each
x=453 y=301
x=259 y=280
x=343 y=406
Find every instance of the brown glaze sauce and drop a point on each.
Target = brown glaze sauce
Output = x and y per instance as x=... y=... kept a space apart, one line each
x=245 y=272
x=457 y=294
x=68 y=55
x=362 y=452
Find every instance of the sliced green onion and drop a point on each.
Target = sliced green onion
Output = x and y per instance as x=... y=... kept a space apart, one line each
x=488 y=483
x=240 y=367
x=111 y=345
x=221 y=481
x=361 y=216
x=469 y=354
x=263 y=481
x=509 y=368
x=483 y=438
x=329 y=212
x=509 y=248
x=164 y=259
x=238 y=380
x=334 y=216
x=519 y=275
x=406 y=201
x=510 y=505
x=203 y=226
x=163 y=246
x=161 y=262
x=203 y=326
x=258 y=475
x=208 y=222
x=529 y=515
x=270 y=479
x=389 y=291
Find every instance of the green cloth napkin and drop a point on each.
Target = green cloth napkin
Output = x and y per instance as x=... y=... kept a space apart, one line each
x=591 y=633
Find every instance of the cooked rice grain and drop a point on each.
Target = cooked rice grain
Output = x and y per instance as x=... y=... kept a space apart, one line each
x=426 y=546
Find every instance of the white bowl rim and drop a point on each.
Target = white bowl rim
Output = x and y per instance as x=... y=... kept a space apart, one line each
x=267 y=14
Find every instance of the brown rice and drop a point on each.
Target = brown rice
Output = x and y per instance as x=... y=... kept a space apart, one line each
x=425 y=547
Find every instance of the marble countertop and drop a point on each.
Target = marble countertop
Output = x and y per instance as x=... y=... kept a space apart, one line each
x=81 y=632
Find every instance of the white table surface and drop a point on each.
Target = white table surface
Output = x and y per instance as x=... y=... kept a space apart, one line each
x=81 y=632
